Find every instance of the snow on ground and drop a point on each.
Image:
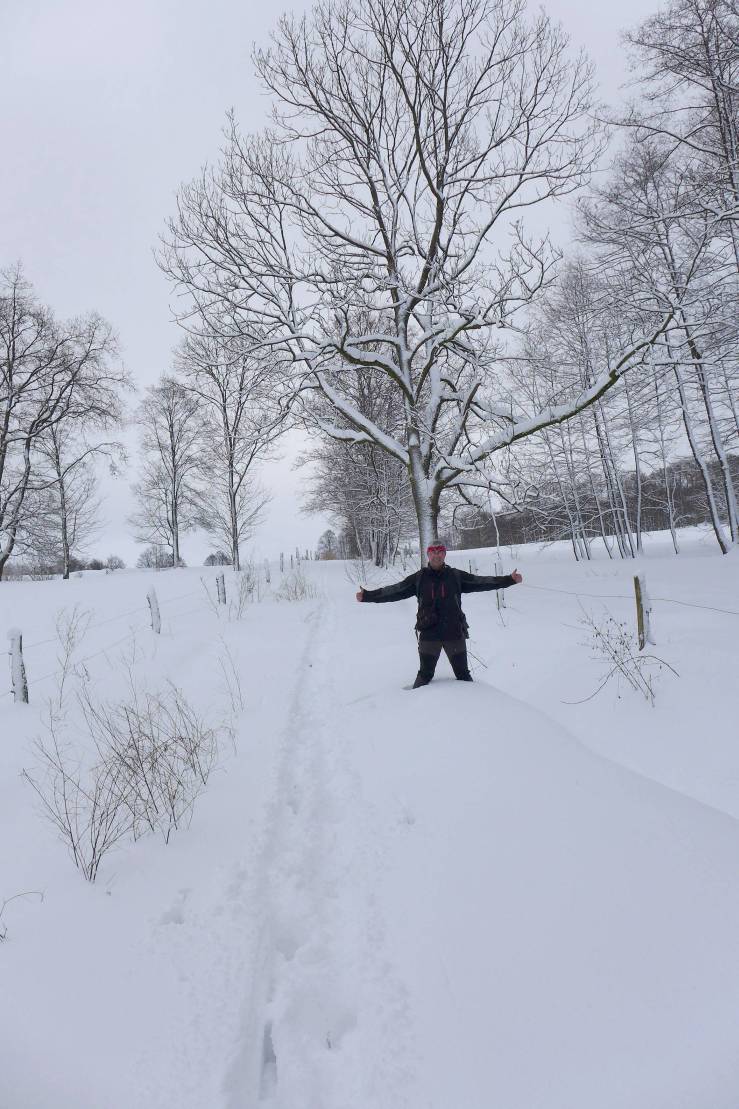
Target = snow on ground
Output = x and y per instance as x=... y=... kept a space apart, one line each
x=508 y=893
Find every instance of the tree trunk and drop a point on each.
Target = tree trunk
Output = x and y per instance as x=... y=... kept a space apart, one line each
x=12 y=527
x=718 y=443
x=637 y=466
x=233 y=517
x=665 y=474
x=63 y=507
x=575 y=522
x=175 y=535
x=427 y=507
x=64 y=528
x=594 y=494
x=690 y=432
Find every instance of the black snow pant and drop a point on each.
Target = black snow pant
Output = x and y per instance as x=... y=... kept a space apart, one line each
x=428 y=653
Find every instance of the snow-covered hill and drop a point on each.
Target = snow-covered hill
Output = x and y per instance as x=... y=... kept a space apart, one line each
x=510 y=893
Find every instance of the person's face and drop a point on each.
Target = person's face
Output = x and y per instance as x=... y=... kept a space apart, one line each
x=436 y=557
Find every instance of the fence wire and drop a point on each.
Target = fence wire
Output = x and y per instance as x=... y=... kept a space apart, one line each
x=110 y=646
x=625 y=597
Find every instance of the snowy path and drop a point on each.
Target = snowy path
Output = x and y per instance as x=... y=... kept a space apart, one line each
x=469 y=908
x=307 y=1038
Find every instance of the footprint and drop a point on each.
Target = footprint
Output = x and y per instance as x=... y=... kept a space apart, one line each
x=268 y=1077
x=176 y=914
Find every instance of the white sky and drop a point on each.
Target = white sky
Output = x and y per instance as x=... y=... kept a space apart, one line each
x=107 y=108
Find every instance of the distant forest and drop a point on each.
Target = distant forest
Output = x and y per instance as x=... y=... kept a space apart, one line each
x=548 y=518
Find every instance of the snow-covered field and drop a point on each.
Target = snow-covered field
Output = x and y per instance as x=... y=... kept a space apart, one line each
x=508 y=894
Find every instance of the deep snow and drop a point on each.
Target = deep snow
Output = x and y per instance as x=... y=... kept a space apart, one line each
x=456 y=897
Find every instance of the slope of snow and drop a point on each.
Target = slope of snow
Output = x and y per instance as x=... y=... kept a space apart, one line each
x=465 y=895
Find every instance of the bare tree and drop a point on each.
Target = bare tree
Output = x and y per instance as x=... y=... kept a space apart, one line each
x=168 y=497
x=63 y=504
x=409 y=138
x=240 y=424
x=328 y=545
x=154 y=557
x=50 y=373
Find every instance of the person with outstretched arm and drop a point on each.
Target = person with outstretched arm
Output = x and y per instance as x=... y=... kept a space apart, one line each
x=441 y=624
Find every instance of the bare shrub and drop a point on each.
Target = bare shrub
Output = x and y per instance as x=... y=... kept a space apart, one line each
x=161 y=750
x=232 y=688
x=611 y=641
x=85 y=807
x=154 y=757
x=296 y=587
x=212 y=601
x=70 y=631
x=249 y=588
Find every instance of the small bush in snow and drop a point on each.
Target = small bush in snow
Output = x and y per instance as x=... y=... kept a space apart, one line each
x=85 y=807
x=160 y=752
x=611 y=641
x=154 y=758
x=249 y=587
x=296 y=587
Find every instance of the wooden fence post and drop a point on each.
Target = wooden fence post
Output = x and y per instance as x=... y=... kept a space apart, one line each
x=221 y=588
x=267 y=577
x=282 y=562
x=156 y=620
x=643 y=611
x=17 y=667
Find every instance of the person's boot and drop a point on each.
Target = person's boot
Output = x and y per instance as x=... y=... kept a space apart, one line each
x=421 y=679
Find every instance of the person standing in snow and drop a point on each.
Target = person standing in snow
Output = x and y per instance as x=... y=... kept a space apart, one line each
x=441 y=623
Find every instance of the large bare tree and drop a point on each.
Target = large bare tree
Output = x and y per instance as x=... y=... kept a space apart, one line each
x=240 y=422
x=167 y=493
x=51 y=373
x=409 y=139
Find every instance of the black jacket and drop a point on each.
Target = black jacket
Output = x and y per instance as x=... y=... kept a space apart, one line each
x=439 y=592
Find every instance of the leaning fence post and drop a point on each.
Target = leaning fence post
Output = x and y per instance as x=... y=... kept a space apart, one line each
x=221 y=588
x=156 y=620
x=643 y=611
x=17 y=666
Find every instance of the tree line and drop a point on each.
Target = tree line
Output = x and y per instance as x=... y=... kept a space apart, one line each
x=545 y=519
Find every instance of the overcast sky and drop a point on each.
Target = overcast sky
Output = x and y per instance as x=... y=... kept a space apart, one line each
x=107 y=108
